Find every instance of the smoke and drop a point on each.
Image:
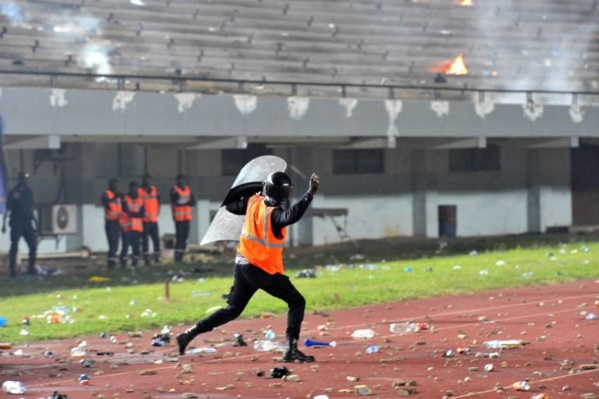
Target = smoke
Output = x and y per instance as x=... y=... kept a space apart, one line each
x=96 y=56
x=68 y=24
x=547 y=60
x=13 y=12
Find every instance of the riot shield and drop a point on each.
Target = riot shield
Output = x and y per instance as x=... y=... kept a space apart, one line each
x=226 y=226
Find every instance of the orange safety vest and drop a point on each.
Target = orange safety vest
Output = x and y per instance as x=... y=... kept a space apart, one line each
x=129 y=223
x=182 y=213
x=258 y=244
x=114 y=209
x=150 y=203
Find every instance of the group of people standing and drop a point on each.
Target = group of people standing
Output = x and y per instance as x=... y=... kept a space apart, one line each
x=132 y=218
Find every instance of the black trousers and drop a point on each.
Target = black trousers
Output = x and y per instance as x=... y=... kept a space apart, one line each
x=181 y=235
x=113 y=234
x=247 y=280
x=20 y=229
x=131 y=239
x=151 y=232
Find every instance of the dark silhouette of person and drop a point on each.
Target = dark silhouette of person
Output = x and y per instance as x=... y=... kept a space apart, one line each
x=19 y=207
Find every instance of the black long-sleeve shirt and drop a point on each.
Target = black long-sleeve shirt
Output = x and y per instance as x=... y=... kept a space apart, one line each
x=280 y=217
x=20 y=204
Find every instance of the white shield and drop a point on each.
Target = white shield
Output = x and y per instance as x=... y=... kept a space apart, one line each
x=226 y=226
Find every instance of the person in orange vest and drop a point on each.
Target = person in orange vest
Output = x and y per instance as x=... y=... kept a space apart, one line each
x=182 y=200
x=111 y=200
x=149 y=194
x=132 y=224
x=259 y=260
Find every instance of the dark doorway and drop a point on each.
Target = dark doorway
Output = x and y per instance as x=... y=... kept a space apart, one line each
x=448 y=220
x=585 y=185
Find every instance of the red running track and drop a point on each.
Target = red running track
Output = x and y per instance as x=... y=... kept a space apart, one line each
x=558 y=361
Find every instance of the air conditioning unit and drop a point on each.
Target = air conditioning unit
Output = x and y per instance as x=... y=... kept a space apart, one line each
x=64 y=219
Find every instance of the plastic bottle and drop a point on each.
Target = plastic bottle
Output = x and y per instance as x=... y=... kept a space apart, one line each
x=591 y=316
x=78 y=351
x=366 y=333
x=506 y=344
x=521 y=386
x=13 y=387
x=269 y=334
x=407 y=327
x=266 y=345
x=372 y=349
x=196 y=351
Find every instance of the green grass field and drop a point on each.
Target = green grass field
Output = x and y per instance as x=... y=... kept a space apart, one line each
x=131 y=302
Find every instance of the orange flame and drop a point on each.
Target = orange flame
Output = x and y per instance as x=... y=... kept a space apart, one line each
x=449 y=67
x=457 y=67
x=467 y=3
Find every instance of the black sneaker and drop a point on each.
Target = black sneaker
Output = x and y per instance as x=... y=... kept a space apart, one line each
x=183 y=340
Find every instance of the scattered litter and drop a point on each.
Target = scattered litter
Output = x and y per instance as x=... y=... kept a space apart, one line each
x=269 y=334
x=407 y=269
x=362 y=390
x=310 y=342
x=306 y=273
x=266 y=345
x=5 y=345
x=57 y=395
x=84 y=379
x=291 y=378
x=365 y=333
x=279 y=372
x=457 y=267
x=372 y=349
x=505 y=344
x=148 y=313
x=527 y=275
x=521 y=386
x=78 y=351
x=98 y=279
x=14 y=387
x=591 y=316
x=163 y=337
x=25 y=321
x=321 y=397
x=238 y=340
x=203 y=350
x=489 y=367
x=87 y=363
x=500 y=263
x=407 y=327
x=473 y=252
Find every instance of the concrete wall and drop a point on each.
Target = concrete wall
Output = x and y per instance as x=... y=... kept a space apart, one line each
x=530 y=193
x=401 y=202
